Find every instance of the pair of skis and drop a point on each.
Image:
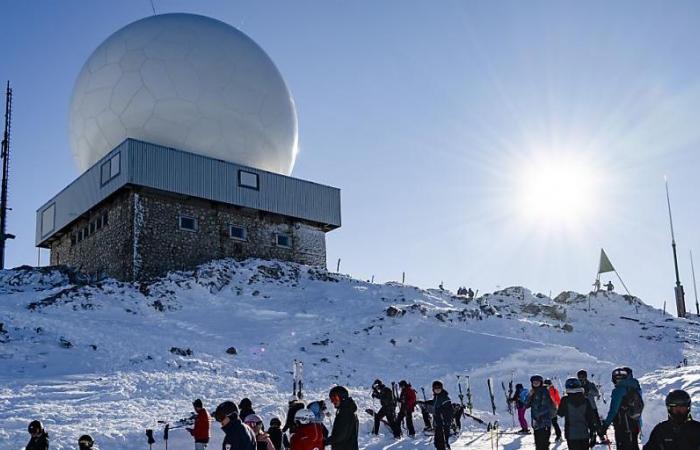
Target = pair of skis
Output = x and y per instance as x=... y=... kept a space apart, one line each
x=298 y=376
x=469 y=404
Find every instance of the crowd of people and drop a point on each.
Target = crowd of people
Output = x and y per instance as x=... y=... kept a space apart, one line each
x=584 y=427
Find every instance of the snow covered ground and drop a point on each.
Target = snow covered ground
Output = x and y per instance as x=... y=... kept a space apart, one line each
x=102 y=358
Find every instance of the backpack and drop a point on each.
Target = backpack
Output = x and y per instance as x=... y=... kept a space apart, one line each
x=632 y=404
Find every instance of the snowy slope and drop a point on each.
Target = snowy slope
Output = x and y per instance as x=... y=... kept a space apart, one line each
x=98 y=357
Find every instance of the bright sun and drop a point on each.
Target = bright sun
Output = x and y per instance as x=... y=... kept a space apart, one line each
x=557 y=191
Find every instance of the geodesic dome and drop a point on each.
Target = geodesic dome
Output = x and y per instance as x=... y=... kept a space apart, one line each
x=188 y=82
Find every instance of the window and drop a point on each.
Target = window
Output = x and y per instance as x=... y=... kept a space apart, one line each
x=237 y=233
x=80 y=235
x=248 y=179
x=98 y=223
x=110 y=168
x=283 y=240
x=188 y=223
x=105 y=215
x=86 y=233
x=48 y=219
x=92 y=227
x=73 y=239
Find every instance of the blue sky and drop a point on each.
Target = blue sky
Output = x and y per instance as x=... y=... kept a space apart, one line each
x=434 y=118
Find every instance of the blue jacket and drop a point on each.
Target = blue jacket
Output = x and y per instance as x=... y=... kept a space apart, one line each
x=542 y=408
x=522 y=398
x=238 y=435
x=621 y=389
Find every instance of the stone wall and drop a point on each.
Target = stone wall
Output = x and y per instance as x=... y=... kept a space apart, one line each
x=106 y=251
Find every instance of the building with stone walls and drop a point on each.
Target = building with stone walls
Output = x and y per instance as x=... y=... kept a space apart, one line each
x=145 y=209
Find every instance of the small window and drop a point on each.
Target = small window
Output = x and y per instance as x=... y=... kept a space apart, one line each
x=86 y=233
x=73 y=239
x=48 y=219
x=104 y=219
x=110 y=169
x=284 y=240
x=188 y=223
x=98 y=223
x=248 y=179
x=237 y=233
x=80 y=235
x=92 y=227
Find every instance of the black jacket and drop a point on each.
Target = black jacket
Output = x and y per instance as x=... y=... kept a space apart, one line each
x=39 y=443
x=579 y=416
x=443 y=409
x=673 y=435
x=279 y=439
x=385 y=396
x=238 y=435
x=345 y=427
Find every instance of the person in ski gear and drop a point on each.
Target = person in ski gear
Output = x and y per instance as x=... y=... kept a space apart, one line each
x=442 y=416
x=679 y=431
x=294 y=405
x=592 y=394
x=308 y=434
x=86 y=442
x=346 y=425
x=200 y=432
x=579 y=416
x=426 y=410
x=279 y=439
x=39 y=439
x=407 y=402
x=319 y=410
x=239 y=436
x=626 y=394
x=541 y=411
x=388 y=408
x=556 y=398
x=245 y=407
x=596 y=286
x=519 y=399
x=609 y=287
x=262 y=439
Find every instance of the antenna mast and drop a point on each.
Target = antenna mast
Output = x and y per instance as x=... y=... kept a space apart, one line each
x=5 y=156
x=680 y=294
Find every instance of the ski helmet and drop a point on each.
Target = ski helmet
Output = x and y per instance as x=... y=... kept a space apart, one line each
x=678 y=397
x=619 y=374
x=437 y=384
x=304 y=416
x=85 y=442
x=547 y=382
x=582 y=374
x=573 y=386
x=629 y=372
x=275 y=422
x=197 y=403
x=537 y=378
x=377 y=383
x=245 y=404
x=403 y=383
x=253 y=419
x=35 y=427
x=225 y=409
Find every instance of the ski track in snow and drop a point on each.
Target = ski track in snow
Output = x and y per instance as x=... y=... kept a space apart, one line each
x=119 y=376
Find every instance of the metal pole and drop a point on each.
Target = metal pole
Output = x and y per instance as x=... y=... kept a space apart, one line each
x=5 y=155
x=337 y=269
x=678 y=290
x=695 y=286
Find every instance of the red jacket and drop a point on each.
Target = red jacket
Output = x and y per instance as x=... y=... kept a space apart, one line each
x=307 y=437
x=554 y=395
x=201 y=427
x=407 y=398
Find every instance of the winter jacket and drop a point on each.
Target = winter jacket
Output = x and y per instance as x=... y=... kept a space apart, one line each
x=554 y=394
x=38 y=443
x=308 y=437
x=674 y=435
x=200 y=432
x=239 y=436
x=407 y=398
x=579 y=416
x=592 y=393
x=345 y=427
x=263 y=442
x=618 y=394
x=279 y=439
x=442 y=407
x=542 y=408
x=520 y=397
x=385 y=396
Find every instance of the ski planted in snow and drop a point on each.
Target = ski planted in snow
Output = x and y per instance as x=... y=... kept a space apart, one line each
x=298 y=374
x=470 y=406
x=493 y=401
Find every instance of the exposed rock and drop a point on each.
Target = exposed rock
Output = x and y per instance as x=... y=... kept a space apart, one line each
x=394 y=311
x=181 y=351
x=232 y=351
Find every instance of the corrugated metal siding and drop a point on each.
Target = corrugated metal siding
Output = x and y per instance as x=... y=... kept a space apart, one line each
x=82 y=194
x=171 y=170
x=190 y=174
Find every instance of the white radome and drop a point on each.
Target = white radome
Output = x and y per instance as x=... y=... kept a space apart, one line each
x=188 y=82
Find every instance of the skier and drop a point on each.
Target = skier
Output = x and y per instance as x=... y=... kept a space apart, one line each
x=442 y=416
x=556 y=398
x=388 y=408
x=541 y=411
x=39 y=437
x=308 y=434
x=200 y=432
x=519 y=399
x=596 y=286
x=609 y=287
x=680 y=431
x=426 y=410
x=85 y=442
x=238 y=435
x=626 y=406
x=318 y=408
x=246 y=408
x=407 y=401
x=346 y=426
x=579 y=416
x=262 y=439
x=294 y=405
x=592 y=394
x=279 y=439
